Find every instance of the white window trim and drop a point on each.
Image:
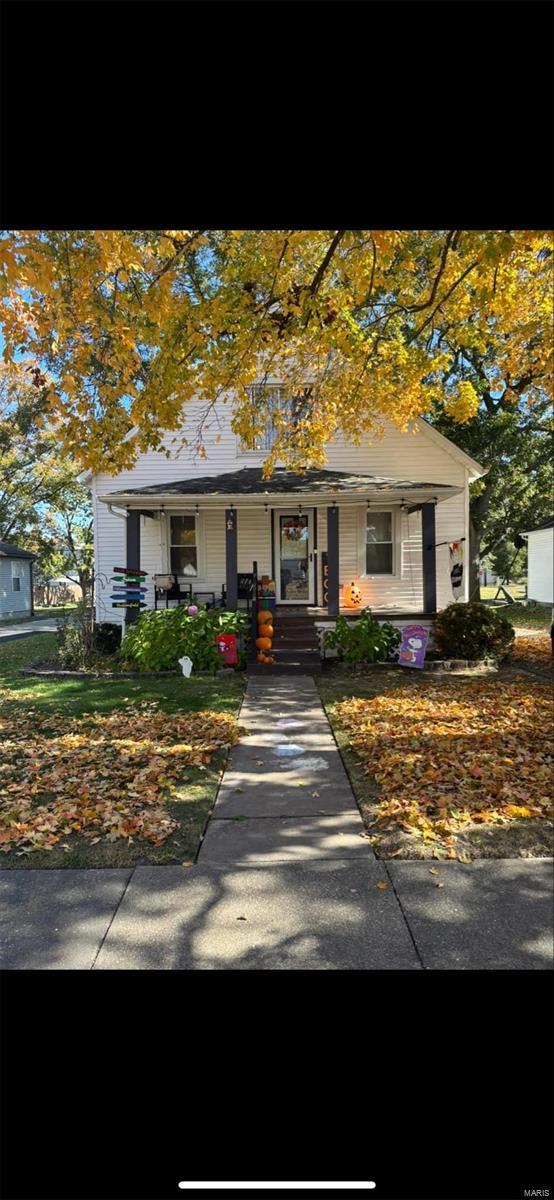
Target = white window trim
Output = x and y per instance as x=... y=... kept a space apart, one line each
x=246 y=452
x=17 y=573
x=396 y=518
x=200 y=577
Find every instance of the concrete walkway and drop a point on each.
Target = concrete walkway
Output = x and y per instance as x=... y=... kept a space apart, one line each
x=285 y=879
x=19 y=629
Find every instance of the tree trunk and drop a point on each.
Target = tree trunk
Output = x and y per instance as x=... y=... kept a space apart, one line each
x=478 y=509
x=474 y=560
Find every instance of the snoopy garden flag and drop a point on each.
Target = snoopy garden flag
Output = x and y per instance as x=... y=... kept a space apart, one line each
x=413 y=646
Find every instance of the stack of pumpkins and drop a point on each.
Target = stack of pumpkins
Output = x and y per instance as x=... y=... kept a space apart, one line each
x=265 y=637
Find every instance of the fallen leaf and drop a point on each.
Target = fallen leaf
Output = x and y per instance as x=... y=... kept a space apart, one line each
x=382 y=886
x=433 y=871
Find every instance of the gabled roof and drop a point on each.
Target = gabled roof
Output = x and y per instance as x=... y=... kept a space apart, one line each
x=7 y=551
x=475 y=469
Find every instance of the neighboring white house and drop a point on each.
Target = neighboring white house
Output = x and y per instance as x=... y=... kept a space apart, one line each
x=381 y=515
x=540 y=562
x=16 y=581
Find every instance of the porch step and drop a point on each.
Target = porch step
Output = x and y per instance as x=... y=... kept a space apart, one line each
x=295 y=637
x=289 y=655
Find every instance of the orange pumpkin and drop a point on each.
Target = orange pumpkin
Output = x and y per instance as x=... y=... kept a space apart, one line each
x=267 y=630
x=352 y=596
x=263 y=643
x=264 y=616
x=260 y=657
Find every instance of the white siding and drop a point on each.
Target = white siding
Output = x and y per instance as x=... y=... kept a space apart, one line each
x=12 y=603
x=540 y=566
x=410 y=456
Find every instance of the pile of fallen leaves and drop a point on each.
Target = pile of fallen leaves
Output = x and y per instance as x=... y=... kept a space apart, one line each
x=536 y=649
x=448 y=756
x=102 y=776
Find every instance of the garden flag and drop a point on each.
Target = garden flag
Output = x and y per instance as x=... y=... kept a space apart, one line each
x=413 y=646
x=456 y=551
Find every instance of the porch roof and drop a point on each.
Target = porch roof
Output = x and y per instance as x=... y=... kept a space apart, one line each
x=248 y=484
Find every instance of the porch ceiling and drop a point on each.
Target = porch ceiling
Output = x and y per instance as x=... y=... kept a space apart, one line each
x=248 y=486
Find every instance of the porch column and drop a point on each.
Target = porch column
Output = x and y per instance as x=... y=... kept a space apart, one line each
x=428 y=539
x=333 y=561
x=231 y=558
x=133 y=556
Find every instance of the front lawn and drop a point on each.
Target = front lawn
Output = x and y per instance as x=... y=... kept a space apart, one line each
x=105 y=773
x=457 y=767
x=534 y=650
x=523 y=617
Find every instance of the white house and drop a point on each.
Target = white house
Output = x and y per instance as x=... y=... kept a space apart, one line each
x=380 y=515
x=16 y=581
x=540 y=562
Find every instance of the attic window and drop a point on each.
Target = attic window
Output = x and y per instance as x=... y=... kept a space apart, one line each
x=268 y=401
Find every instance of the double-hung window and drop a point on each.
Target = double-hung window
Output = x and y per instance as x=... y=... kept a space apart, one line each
x=183 y=545
x=379 y=544
x=16 y=576
x=269 y=403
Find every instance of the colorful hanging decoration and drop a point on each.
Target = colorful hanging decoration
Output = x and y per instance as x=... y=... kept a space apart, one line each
x=128 y=588
x=456 y=553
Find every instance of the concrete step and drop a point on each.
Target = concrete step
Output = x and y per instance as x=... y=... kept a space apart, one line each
x=298 y=668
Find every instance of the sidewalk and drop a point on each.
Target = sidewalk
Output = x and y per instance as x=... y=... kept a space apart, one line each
x=27 y=628
x=285 y=879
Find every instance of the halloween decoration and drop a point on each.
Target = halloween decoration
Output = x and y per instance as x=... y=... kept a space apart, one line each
x=456 y=554
x=413 y=646
x=352 y=596
x=265 y=616
x=263 y=643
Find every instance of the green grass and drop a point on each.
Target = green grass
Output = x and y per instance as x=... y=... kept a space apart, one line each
x=77 y=697
x=523 y=617
x=517 y=590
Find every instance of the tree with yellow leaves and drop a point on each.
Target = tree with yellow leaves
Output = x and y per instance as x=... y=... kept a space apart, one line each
x=123 y=328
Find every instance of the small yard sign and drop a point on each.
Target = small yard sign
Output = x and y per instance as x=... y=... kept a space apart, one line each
x=413 y=646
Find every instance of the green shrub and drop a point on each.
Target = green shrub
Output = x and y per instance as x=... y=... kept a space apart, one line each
x=365 y=640
x=158 y=640
x=106 y=637
x=472 y=631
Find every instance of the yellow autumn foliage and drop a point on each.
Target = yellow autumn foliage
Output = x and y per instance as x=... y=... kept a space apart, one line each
x=131 y=325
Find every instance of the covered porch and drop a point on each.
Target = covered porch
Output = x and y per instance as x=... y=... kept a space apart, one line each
x=314 y=533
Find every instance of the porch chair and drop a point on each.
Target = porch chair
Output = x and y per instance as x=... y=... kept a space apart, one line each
x=168 y=587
